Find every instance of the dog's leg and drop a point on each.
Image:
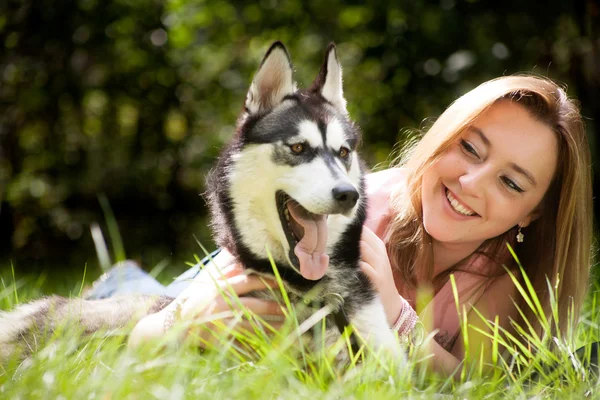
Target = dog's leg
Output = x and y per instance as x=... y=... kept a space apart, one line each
x=371 y=324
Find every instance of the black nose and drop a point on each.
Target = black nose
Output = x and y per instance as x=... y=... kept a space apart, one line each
x=345 y=195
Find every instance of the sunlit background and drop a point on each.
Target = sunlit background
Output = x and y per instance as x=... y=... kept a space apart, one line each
x=132 y=99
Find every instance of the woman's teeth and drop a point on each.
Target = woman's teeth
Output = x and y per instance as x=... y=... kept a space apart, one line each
x=459 y=208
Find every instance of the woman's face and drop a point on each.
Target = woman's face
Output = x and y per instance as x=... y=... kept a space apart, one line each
x=491 y=179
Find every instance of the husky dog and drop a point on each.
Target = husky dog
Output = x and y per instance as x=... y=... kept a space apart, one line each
x=291 y=182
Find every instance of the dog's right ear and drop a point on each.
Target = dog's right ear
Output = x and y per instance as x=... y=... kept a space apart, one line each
x=272 y=82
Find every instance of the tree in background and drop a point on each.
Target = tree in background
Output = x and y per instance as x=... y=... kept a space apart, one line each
x=134 y=98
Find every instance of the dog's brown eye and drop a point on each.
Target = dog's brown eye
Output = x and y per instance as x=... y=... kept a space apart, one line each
x=297 y=148
x=344 y=152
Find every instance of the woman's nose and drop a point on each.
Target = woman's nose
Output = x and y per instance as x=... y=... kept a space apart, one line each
x=474 y=180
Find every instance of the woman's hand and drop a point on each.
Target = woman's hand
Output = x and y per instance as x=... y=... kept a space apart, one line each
x=217 y=307
x=376 y=265
x=213 y=300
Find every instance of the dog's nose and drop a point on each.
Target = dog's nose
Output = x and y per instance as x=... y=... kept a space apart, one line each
x=345 y=195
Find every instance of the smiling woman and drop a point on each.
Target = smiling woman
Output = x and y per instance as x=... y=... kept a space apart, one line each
x=507 y=163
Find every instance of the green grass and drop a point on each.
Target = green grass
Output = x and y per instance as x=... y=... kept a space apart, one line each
x=271 y=366
x=266 y=363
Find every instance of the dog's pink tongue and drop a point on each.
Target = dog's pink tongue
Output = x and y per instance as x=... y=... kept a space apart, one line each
x=310 y=250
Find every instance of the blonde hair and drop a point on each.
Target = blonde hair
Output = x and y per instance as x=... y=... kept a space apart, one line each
x=558 y=242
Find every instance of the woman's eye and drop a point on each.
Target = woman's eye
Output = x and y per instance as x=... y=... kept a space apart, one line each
x=344 y=152
x=468 y=148
x=512 y=185
x=297 y=148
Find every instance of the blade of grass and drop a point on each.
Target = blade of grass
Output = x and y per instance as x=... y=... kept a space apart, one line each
x=82 y=280
x=159 y=267
x=12 y=269
x=101 y=249
x=523 y=293
x=534 y=298
x=113 y=228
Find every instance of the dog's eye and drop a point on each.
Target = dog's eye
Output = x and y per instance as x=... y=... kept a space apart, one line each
x=344 y=152
x=297 y=148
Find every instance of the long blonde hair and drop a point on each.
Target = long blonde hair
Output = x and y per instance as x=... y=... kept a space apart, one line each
x=558 y=242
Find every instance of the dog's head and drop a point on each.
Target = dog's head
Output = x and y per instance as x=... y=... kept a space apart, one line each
x=294 y=180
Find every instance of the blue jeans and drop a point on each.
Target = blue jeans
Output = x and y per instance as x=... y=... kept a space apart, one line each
x=128 y=278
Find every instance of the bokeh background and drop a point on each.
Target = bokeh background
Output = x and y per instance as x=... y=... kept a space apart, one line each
x=132 y=99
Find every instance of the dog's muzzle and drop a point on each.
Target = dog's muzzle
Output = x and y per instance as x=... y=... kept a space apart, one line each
x=345 y=196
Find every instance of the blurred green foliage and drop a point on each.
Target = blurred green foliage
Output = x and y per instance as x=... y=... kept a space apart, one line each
x=134 y=98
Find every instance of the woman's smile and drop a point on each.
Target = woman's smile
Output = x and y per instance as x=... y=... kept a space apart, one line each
x=456 y=205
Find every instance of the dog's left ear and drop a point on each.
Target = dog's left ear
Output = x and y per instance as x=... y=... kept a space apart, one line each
x=329 y=81
x=272 y=82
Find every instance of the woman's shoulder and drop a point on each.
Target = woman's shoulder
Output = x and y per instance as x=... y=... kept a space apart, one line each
x=385 y=181
x=379 y=187
x=389 y=175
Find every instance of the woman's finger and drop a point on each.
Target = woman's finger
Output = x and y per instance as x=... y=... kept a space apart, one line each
x=369 y=271
x=232 y=270
x=266 y=309
x=366 y=240
x=372 y=239
x=368 y=254
x=262 y=307
x=213 y=333
x=242 y=284
x=252 y=326
x=369 y=234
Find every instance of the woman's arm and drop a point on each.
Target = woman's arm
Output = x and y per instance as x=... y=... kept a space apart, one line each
x=375 y=264
x=495 y=301
x=204 y=297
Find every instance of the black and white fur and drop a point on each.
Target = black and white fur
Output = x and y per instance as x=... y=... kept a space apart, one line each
x=248 y=189
x=259 y=163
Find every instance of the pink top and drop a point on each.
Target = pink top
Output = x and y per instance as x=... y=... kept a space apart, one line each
x=441 y=311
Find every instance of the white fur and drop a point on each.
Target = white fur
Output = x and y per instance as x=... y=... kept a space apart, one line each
x=371 y=324
x=310 y=132
x=354 y=173
x=254 y=205
x=332 y=89
x=335 y=135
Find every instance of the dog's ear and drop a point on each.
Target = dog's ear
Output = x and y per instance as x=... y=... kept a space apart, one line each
x=272 y=82
x=329 y=81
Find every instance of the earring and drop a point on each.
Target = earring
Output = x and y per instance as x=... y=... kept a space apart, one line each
x=520 y=236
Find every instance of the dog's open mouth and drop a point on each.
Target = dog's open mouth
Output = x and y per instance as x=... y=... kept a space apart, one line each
x=306 y=234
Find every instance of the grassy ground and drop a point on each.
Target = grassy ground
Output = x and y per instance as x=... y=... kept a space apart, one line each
x=102 y=367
